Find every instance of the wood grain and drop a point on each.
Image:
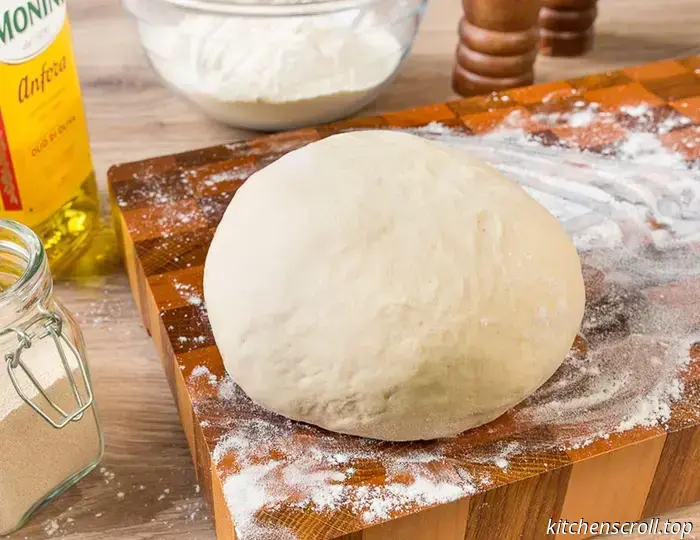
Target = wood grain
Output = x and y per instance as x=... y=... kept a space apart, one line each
x=446 y=522
x=605 y=486
x=674 y=483
x=131 y=116
x=518 y=510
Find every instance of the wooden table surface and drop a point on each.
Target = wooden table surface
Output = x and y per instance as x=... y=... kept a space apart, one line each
x=146 y=487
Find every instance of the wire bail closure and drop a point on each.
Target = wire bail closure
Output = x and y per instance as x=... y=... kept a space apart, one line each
x=53 y=327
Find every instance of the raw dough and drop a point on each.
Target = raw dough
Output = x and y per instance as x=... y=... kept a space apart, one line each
x=379 y=284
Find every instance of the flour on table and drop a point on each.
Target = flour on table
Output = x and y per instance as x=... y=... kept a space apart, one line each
x=500 y=458
x=283 y=464
x=189 y=293
x=631 y=376
x=203 y=371
x=582 y=115
x=599 y=200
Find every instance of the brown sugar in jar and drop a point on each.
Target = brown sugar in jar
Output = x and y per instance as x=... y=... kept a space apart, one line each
x=50 y=436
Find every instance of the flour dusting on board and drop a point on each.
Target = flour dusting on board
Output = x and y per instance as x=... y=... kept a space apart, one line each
x=282 y=464
x=633 y=210
x=636 y=223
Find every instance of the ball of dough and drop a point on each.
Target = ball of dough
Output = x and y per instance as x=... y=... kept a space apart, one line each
x=379 y=284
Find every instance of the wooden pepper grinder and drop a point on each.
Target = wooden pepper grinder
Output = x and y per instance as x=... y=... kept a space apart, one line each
x=498 y=45
x=566 y=26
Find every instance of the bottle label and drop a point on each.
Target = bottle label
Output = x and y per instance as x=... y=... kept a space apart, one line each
x=44 y=146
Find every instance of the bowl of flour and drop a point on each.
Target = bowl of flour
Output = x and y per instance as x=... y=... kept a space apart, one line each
x=271 y=65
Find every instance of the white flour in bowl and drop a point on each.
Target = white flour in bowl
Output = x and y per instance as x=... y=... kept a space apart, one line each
x=274 y=73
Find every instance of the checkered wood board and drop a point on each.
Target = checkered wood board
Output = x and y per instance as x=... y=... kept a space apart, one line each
x=166 y=211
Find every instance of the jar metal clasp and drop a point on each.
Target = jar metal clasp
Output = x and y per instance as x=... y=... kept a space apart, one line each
x=52 y=327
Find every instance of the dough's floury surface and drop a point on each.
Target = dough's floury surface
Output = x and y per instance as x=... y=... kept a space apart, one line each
x=379 y=284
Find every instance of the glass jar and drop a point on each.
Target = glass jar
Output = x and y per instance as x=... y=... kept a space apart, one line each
x=50 y=436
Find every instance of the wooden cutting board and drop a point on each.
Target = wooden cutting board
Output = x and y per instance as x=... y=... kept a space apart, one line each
x=166 y=210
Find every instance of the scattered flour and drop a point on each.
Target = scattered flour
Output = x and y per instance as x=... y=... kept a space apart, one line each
x=228 y=176
x=189 y=293
x=501 y=458
x=194 y=300
x=636 y=111
x=203 y=371
x=501 y=462
x=631 y=372
x=581 y=116
x=599 y=200
x=51 y=527
x=282 y=465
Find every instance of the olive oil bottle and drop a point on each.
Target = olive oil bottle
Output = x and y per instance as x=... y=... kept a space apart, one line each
x=47 y=180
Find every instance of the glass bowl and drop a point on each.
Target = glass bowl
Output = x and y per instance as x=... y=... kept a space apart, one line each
x=277 y=64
